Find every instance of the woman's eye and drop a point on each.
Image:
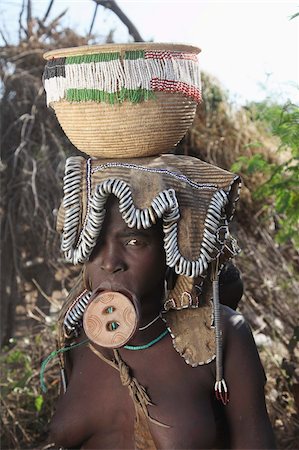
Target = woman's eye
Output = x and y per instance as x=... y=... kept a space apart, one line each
x=135 y=242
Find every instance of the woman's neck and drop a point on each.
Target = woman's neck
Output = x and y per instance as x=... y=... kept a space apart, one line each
x=148 y=334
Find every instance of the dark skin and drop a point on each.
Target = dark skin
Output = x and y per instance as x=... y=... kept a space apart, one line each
x=96 y=412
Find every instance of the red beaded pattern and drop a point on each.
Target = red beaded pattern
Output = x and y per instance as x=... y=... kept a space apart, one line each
x=176 y=86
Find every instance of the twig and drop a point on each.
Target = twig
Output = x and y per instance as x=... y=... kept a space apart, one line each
x=58 y=143
x=8 y=428
x=48 y=30
x=93 y=19
x=47 y=297
x=112 y=5
x=48 y=11
x=25 y=55
x=33 y=186
x=29 y=18
x=4 y=38
x=31 y=315
x=56 y=20
x=11 y=414
x=14 y=247
x=20 y=20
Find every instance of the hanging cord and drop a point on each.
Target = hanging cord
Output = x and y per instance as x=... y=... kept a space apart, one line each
x=52 y=356
x=150 y=323
x=221 y=390
x=137 y=391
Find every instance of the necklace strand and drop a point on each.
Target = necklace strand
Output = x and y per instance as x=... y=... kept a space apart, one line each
x=150 y=323
x=149 y=344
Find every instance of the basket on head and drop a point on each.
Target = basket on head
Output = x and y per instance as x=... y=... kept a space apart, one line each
x=124 y=100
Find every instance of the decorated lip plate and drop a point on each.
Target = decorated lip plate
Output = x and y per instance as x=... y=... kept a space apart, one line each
x=110 y=320
x=124 y=100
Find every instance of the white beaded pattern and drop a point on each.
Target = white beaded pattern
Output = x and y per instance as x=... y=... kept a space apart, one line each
x=163 y=206
x=112 y=76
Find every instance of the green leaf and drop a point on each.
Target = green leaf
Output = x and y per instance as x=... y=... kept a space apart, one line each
x=38 y=403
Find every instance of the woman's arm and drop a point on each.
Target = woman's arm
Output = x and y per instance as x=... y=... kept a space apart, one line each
x=247 y=416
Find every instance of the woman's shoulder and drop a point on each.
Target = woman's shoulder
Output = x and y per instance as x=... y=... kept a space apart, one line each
x=239 y=346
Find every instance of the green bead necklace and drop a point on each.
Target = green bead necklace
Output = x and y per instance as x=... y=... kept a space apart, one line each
x=149 y=344
x=65 y=349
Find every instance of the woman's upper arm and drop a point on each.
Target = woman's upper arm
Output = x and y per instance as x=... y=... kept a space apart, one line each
x=244 y=374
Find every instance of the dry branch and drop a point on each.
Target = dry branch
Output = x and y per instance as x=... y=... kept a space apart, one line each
x=47 y=13
x=93 y=19
x=113 y=6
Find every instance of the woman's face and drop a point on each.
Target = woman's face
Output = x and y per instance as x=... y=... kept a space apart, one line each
x=129 y=259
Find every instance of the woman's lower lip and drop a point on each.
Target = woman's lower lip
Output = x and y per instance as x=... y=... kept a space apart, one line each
x=109 y=286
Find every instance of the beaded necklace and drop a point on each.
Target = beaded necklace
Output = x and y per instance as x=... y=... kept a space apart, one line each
x=51 y=356
x=65 y=349
x=149 y=344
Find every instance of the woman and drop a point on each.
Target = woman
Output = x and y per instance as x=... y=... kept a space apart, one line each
x=153 y=237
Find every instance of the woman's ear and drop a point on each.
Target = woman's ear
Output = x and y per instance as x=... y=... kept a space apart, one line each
x=170 y=278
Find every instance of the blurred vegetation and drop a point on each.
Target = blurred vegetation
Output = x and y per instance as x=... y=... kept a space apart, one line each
x=25 y=411
x=279 y=187
x=260 y=141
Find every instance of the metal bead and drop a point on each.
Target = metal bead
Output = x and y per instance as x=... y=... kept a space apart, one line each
x=138 y=219
x=128 y=213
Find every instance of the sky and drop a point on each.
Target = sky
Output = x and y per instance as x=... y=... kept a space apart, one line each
x=252 y=47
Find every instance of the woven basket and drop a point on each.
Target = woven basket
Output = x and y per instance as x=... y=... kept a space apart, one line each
x=128 y=100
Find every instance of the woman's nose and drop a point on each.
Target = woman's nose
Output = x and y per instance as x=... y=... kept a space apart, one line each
x=109 y=258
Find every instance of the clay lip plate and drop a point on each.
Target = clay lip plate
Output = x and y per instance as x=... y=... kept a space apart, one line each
x=105 y=310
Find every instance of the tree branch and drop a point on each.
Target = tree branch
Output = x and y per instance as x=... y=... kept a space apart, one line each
x=112 y=5
x=4 y=38
x=48 y=11
x=20 y=21
x=93 y=19
x=29 y=18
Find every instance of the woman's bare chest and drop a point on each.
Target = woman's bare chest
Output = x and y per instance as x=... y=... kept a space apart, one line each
x=104 y=411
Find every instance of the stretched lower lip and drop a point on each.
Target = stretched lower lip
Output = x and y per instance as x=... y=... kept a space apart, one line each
x=106 y=286
x=114 y=287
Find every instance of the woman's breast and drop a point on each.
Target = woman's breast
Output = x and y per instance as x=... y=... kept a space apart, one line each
x=95 y=407
x=97 y=411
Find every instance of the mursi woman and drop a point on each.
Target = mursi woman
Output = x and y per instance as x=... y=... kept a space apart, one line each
x=146 y=342
x=150 y=359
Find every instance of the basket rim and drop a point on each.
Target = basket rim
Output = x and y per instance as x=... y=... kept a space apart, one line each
x=98 y=48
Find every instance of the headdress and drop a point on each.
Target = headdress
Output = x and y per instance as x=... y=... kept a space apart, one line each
x=194 y=200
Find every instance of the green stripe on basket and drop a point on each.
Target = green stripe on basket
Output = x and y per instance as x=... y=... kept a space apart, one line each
x=97 y=57
x=134 y=54
x=135 y=95
x=103 y=57
x=132 y=95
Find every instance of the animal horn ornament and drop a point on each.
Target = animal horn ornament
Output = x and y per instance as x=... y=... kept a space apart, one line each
x=111 y=318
